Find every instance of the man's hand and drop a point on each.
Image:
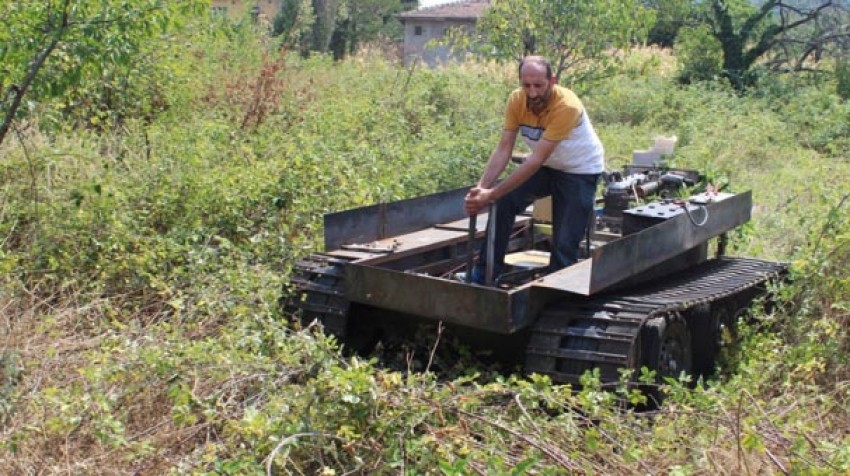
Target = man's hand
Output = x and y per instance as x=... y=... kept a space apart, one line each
x=477 y=199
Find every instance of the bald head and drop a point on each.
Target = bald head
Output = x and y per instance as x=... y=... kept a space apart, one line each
x=535 y=65
x=537 y=80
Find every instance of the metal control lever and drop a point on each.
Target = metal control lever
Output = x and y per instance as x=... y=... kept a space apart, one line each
x=470 y=247
x=491 y=242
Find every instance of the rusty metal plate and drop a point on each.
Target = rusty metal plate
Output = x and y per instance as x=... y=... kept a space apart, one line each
x=376 y=222
x=492 y=309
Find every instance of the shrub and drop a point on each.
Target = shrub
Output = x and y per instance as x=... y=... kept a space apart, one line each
x=842 y=78
x=699 y=54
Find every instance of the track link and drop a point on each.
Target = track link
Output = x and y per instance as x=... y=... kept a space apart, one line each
x=572 y=337
x=318 y=293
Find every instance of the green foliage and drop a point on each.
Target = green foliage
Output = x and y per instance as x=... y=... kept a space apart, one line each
x=699 y=55
x=10 y=374
x=756 y=39
x=842 y=78
x=339 y=27
x=787 y=36
x=294 y=22
x=576 y=36
x=828 y=134
x=670 y=17
x=744 y=31
x=94 y=58
x=364 y=21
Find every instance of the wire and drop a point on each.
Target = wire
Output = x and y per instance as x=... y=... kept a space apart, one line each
x=684 y=205
x=691 y=217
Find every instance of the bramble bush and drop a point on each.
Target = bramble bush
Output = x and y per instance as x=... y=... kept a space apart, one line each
x=699 y=55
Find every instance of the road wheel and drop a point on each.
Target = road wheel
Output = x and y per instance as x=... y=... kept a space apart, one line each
x=710 y=325
x=666 y=349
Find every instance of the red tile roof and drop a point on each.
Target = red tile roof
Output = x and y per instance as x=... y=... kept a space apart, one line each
x=460 y=10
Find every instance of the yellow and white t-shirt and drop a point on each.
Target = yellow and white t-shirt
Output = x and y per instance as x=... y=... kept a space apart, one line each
x=579 y=150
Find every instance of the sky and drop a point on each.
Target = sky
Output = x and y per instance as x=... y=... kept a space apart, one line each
x=431 y=3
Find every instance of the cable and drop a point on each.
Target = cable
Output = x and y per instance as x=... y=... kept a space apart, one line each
x=691 y=217
x=684 y=204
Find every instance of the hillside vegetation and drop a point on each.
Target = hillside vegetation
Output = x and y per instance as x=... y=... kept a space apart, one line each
x=142 y=263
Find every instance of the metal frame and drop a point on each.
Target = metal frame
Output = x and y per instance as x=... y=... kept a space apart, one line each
x=378 y=281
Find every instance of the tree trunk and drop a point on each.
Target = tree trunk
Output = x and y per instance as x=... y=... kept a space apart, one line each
x=35 y=67
x=326 y=12
x=18 y=92
x=731 y=43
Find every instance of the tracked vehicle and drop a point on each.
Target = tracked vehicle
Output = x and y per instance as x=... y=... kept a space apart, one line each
x=653 y=286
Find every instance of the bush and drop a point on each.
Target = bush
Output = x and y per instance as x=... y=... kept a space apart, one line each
x=842 y=78
x=699 y=54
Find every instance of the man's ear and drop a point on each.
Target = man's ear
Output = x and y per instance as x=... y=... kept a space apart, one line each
x=553 y=80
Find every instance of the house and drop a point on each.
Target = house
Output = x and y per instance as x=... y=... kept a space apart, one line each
x=432 y=23
x=264 y=10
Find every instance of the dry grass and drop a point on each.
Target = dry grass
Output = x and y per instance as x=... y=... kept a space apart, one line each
x=53 y=343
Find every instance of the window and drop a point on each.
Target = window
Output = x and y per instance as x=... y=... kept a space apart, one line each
x=417 y=30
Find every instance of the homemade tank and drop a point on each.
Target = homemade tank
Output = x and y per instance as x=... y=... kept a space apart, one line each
x=646 y=292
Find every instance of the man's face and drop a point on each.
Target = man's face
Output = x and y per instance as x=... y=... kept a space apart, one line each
x=537 y=86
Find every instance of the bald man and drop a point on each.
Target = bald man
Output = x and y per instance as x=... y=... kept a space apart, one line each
x=566 y=161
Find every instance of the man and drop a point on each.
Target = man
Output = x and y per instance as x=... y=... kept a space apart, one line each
x=566 y=161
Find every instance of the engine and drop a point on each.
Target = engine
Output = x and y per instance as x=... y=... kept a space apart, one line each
x=626 y=189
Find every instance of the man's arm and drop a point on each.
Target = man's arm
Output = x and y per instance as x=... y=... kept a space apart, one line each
x=482 y=195
x=498 y=159
x=475 y=200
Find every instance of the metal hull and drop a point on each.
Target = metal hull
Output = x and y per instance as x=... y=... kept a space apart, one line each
x=374 y=281
x=455 y=302
x=633 y=254
x=389 y=266
x=385 y=220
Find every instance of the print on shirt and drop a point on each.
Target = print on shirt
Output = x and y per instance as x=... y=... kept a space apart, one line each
x=531 y=133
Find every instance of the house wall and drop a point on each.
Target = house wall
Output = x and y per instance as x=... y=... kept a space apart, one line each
x=416 y=45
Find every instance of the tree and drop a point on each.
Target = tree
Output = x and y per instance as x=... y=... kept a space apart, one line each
x=578 y=36
x=783 y=33
x=294 y=23
x=50 y=47
x=323 y=28
x=338 y=26
x=698 y=54
x=366 y=20
x=671 y=16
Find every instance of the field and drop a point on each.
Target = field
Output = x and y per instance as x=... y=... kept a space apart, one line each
x=142 y=264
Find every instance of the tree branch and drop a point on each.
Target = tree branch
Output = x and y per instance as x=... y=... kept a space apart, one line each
x=56 y=32
x=771 y=36
x=754 y=20
x=35 y=67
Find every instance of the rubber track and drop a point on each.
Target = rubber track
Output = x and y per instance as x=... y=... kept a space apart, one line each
x=318 y=293
x=572 y=337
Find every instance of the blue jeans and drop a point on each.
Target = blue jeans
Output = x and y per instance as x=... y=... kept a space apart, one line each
x=572 y=201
